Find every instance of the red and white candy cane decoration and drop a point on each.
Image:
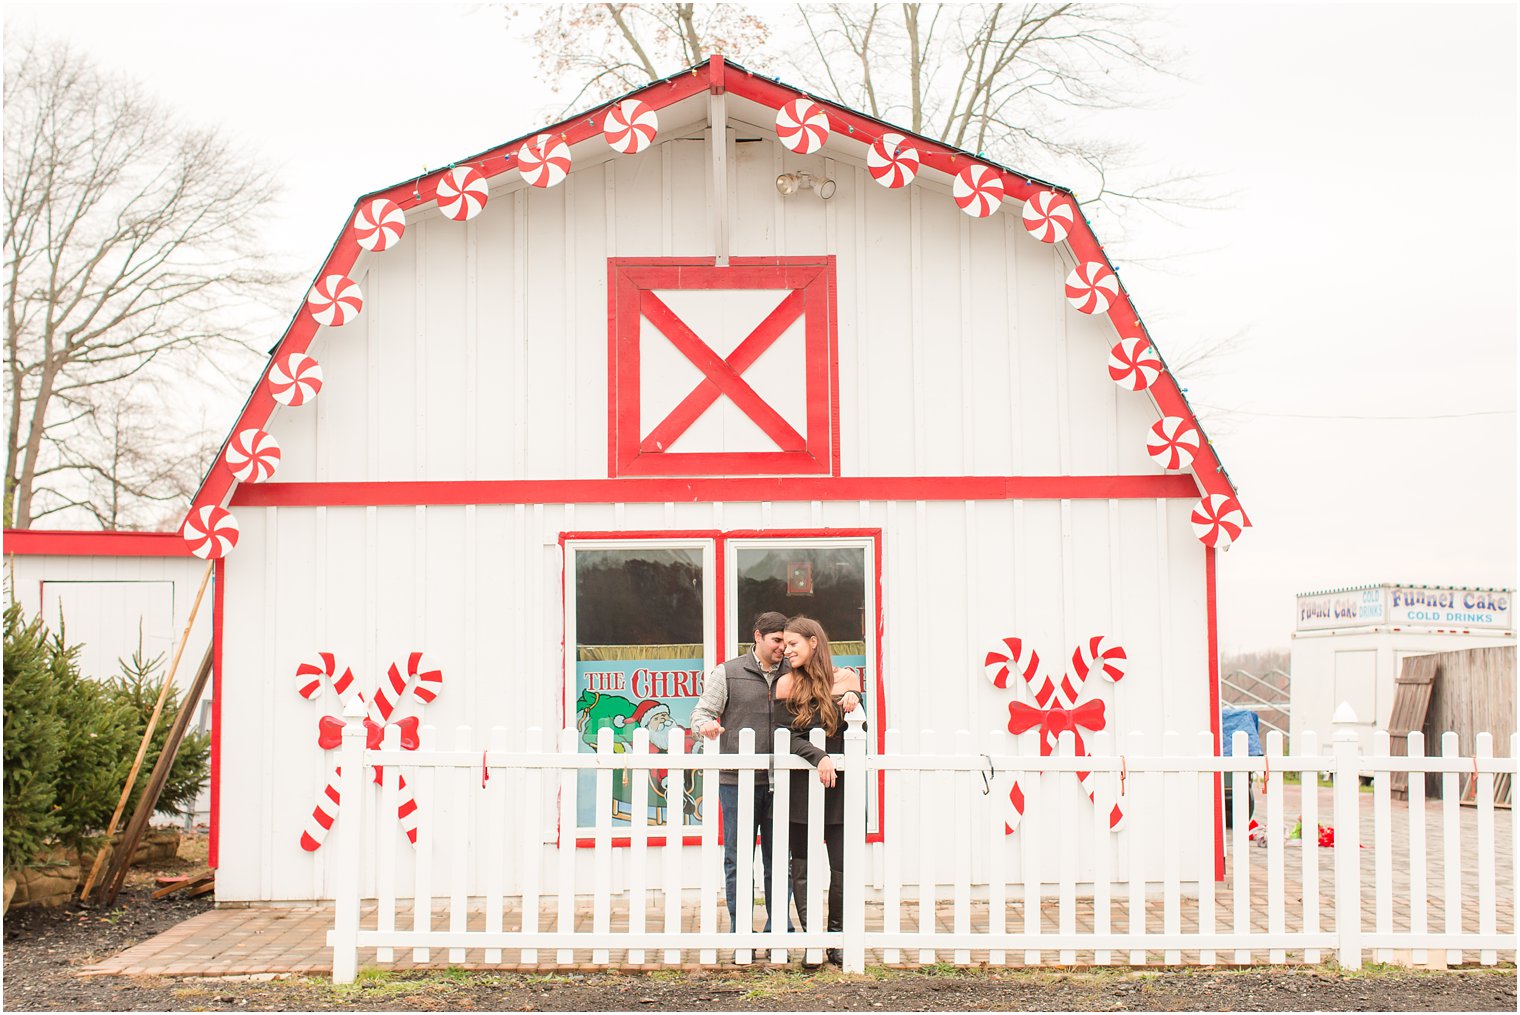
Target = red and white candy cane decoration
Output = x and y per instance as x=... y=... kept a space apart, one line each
x=978 y=190
x=1173 y=442
x=1092 y=287
x=892 y=162
x=630 y=126
x=802 y=125
x=1059 y=707
x=295 y=379
x=392 y=694
x=253 y=455
x=1048 y=216
x=335 y=300
x=544 y=161
x=211 y=532
x=379 y=224
x=1218 y=521
x=1009 y=660
x=1133 y=364
x=462 y=193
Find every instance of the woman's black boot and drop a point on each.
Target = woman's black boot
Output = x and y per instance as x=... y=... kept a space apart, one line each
x=836 y=912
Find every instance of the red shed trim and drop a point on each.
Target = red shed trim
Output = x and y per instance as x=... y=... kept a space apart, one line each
x=65 y=543
x=720 y=76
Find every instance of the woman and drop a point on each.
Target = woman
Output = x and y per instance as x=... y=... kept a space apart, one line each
x=816 y=696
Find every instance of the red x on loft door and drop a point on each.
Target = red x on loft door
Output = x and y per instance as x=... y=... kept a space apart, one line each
x=792 y=291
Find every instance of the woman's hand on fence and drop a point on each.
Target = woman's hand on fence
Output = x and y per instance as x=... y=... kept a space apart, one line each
x=849 y=701
x=826 y=773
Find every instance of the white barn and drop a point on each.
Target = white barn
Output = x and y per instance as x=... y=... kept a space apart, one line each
x=592 y=398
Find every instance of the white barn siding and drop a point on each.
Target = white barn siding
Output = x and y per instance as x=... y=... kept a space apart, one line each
x=373 y=584
x=482 y=348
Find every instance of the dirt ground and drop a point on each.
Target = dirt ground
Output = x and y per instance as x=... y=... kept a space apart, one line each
x=43 y=948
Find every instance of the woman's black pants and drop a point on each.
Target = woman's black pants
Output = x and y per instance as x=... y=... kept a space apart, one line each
x=833 y=841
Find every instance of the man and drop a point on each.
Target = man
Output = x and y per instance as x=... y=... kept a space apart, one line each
x=737 y=696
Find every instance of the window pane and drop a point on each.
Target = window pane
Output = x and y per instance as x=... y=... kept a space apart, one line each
x=638 y=664
x=825 y=583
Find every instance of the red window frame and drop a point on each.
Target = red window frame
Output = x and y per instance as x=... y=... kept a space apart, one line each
x=720 y=538
x=631 y=285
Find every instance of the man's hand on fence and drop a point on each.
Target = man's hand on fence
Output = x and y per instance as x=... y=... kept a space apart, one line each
x=710 y=729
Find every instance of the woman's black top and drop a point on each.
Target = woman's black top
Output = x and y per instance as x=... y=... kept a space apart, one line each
x=802 y=746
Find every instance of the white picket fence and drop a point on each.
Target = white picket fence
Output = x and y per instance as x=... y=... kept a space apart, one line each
x=948 y=911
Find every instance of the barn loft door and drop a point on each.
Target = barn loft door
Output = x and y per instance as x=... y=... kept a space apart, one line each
x=722 y=371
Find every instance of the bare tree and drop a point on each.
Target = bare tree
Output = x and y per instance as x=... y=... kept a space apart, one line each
x=132 y=265
x=615 y=48
x=1011 y=81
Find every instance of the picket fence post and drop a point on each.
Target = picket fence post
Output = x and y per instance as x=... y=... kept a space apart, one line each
x=855 y=844
x=350 y=844
x=1348 y=874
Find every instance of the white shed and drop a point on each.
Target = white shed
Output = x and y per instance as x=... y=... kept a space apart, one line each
x=591 y=399
x=115 y=593
x=1349 y=643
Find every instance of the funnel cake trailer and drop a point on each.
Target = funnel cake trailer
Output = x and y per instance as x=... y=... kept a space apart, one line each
x=557 y=420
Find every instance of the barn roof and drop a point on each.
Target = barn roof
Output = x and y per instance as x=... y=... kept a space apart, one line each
x=680 y=99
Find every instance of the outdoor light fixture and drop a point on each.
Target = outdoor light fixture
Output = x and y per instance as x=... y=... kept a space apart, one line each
x=788 y=184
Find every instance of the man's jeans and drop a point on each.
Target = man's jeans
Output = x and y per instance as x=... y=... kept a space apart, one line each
x=733 y=835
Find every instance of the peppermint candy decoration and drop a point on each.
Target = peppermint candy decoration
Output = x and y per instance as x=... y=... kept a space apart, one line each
x=892 y=162
x=296 y=379
x=630 y=126
x=379 y=224
x=1011 y=660
x=1218 y=521
x=1092 y=287
x=1100 y=654
x=335 y=300
x=1048 y=216
x=1173 y=442
x=544 y=161
x=211 y=532
x=253 y=455
x=462 y=193
x=802 y=126
x=1133 y=364
x=978 y=190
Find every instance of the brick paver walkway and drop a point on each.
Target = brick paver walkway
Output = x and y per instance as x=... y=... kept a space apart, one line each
x=249 y=941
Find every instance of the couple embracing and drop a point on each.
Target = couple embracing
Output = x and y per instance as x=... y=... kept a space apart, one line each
x=788 y=681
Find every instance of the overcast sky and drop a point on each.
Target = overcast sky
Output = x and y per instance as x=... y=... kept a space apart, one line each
x=1367 y=250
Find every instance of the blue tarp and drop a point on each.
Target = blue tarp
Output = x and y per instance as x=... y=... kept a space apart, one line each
x=1232 y=719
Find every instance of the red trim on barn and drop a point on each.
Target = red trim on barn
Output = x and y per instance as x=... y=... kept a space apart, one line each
x=738 y=490
x=65 y=543
x=1211 y=594
x=218 y=601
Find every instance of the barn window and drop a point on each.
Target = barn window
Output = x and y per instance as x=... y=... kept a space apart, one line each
x=722 y=371
x=642 y=632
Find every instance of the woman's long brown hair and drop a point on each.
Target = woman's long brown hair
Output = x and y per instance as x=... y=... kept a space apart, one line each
x=812 y=693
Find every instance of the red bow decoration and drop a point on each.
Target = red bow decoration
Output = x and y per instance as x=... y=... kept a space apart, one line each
x=330 y=733
x=1054 y=721
x=330 y=736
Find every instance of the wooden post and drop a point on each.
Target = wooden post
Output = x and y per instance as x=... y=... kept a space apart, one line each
x=142 y=748
x=121 y=857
